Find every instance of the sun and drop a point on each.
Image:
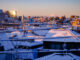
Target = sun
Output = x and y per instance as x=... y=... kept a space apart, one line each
x=13 y=13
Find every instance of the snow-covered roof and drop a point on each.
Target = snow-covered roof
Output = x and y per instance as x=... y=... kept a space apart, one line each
x=25 y=43
x=7 y=44
x=60 y=35
x=28 y=27
x=41 y=32
x=63 y=39
x=10 y=44
x=4 y=36
x=59 y=57
x=19 y=34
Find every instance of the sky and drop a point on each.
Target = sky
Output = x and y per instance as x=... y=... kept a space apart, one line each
x=42 y=7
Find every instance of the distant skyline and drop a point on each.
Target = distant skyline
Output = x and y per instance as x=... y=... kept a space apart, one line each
x=42 y=7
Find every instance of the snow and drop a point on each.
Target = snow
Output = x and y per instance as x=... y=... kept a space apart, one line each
x=26 y=55
x=7 y=44
x=11 y=29
x=75 y=33
x=27 y=43
x=28 y=27
x=63 y=39
x=58 y=33
x=61 y=35
x=29 y=35
x=59 y=57
x=4 y=36
x=20 y=35
x=41 y=32
x=10 y=44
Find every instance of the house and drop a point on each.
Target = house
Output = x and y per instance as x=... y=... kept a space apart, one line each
x=76 y=24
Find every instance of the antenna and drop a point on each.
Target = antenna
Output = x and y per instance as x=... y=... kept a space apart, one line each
x=22 y=20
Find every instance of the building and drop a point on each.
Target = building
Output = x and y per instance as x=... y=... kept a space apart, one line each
x=28 y=18
x=76 y=24
x=60 y=41
x=2 y=15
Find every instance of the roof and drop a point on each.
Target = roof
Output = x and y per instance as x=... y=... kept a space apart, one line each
x=63 y=39
x=59 y=57
x=25 y=43
x=10 y=44
x=41 y=32
x=7 y=44
x=60 y=35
